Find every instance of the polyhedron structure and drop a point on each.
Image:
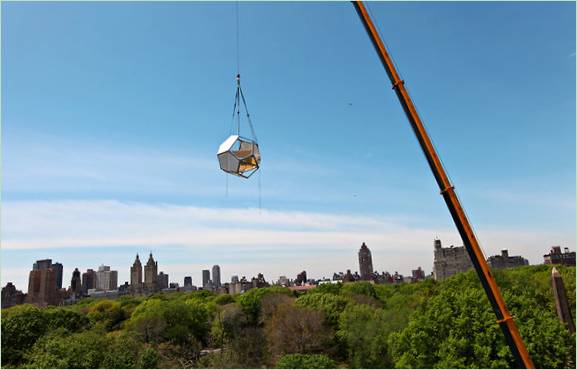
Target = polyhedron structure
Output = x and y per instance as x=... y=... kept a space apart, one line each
x=239 y=156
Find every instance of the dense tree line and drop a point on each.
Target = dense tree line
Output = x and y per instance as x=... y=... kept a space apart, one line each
x=357 y=325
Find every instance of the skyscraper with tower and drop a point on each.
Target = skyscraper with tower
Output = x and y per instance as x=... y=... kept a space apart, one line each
x=150 y=274
x=136 y=276
x=365 y=263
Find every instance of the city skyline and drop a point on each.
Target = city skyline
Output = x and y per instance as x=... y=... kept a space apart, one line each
x=109 y=143
x=272 y=278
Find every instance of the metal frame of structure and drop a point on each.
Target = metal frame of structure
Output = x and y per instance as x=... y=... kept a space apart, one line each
x=239 y=156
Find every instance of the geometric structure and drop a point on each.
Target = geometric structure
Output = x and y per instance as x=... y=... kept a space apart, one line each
x=239 y=156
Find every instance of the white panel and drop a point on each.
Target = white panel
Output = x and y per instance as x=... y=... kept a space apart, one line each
x=228 y=162
x=227 y=144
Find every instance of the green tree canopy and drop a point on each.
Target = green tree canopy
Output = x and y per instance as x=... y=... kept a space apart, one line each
x=364 y=330
x=329 y=304
x=250 y=302
x=305 y=361
x=21 y=327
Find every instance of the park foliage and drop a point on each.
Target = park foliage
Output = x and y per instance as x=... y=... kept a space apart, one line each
x=429 y=324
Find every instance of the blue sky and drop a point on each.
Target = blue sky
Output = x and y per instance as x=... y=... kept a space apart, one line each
x=112 y=114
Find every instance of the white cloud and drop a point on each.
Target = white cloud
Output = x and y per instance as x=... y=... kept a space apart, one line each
x=78 y=224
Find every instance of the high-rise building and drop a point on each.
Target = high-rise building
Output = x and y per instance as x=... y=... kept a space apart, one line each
x=162 y=281
x=124 y=288
x=449 y=261
x=136 y=275
x=259 y=281
x=301 y=278
x=42 y=264
x=348 y=277
x=76 y=283
x=46 y=264
x=365 y=263
x=42 y=290
x=283 y=281
x=338 y=277
x=11 y=296
x=58 y=268
x=187 y=281
x=398 y=278
x=386 y=278
x=205 y=279
x=216 y=276
x=106 y=279
x=505 y=261
x=556 y=257
x=234 y=279
x=88 y=280
x=150 y=274
x=418 y=274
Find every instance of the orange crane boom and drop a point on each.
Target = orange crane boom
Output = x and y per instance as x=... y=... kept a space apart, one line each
x=504 y=318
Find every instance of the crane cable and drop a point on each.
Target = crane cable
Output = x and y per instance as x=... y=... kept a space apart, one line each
x=239 y=96
x=237 y=40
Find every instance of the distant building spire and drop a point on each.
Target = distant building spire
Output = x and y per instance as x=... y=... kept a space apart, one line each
x=365 y=263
